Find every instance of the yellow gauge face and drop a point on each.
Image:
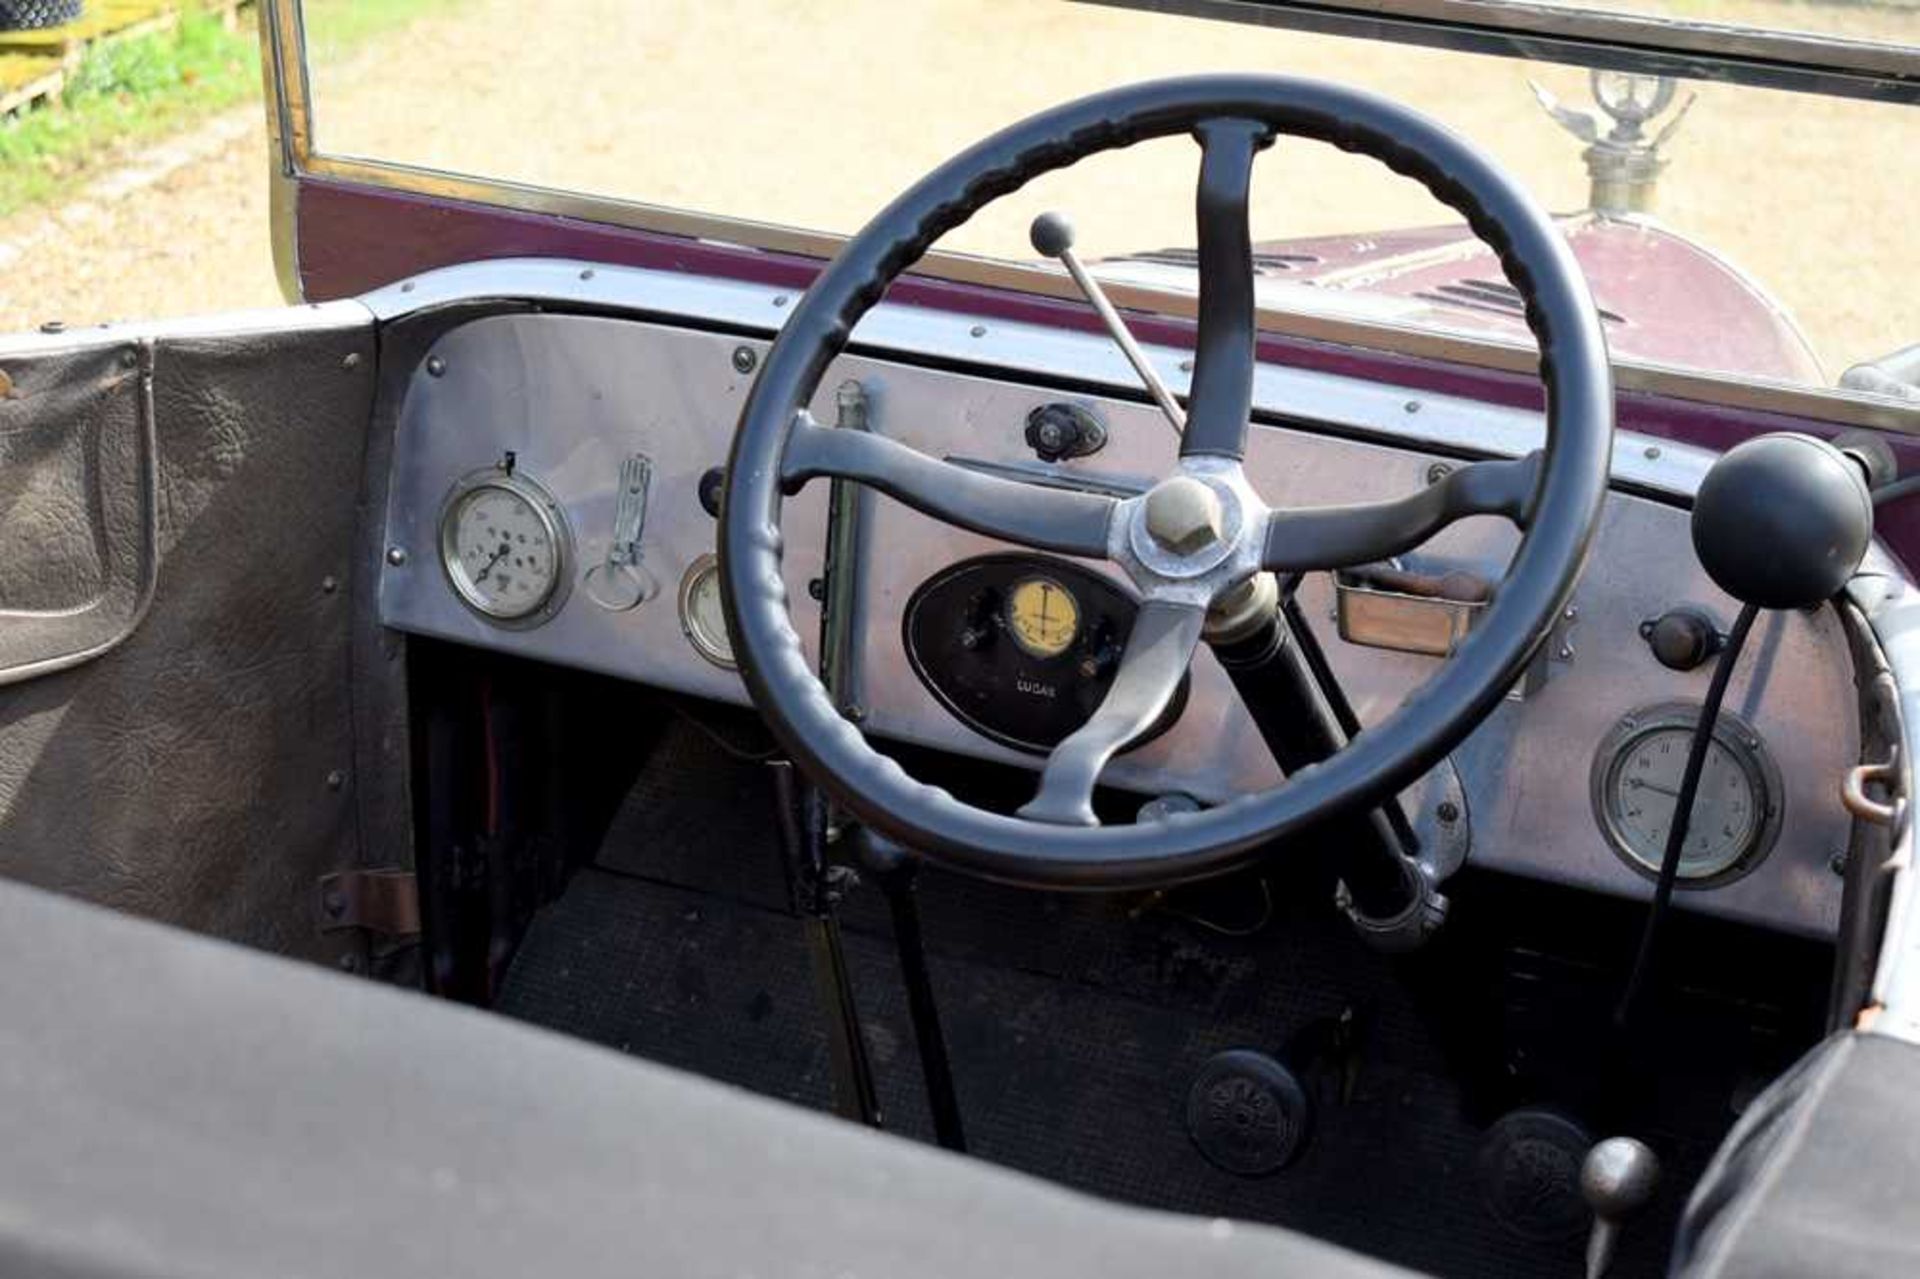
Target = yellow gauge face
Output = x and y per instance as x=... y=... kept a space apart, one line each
x=1043 y=616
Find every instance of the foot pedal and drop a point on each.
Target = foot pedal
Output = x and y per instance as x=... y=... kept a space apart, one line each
x=1248 y=1114
x=1529 y=1167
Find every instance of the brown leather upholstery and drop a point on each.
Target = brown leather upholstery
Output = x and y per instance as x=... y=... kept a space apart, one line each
x=184 y=773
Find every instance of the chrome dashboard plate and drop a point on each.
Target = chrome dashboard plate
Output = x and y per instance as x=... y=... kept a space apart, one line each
x=573 y=396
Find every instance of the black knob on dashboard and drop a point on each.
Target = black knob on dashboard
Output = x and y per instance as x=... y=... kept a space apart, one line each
x=1682 y=638
x=713 y=486
x=1782 y=521
x=1058 y=431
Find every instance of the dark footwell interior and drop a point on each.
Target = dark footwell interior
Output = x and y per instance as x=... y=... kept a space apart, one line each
x=1077 y=1024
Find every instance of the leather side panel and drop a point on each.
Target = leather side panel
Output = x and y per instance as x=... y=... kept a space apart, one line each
x=200 y=773
x=76 y=505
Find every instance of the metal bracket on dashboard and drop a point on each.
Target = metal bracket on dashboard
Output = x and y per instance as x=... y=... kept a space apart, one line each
x=1559 y=647
x=1436 y=807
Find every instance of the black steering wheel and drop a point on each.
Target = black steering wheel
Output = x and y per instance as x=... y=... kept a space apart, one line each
x=1198 y=534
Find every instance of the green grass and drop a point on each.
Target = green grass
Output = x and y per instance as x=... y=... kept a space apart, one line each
x=131 y=92
x=125 y=92
x=335 y=28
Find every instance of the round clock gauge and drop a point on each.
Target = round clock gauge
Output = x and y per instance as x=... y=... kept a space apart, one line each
x=1636 y=779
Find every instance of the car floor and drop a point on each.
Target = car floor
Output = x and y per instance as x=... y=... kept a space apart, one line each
x=1076 y=1025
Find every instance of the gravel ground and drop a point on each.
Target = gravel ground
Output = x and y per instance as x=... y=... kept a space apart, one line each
x=603 y=95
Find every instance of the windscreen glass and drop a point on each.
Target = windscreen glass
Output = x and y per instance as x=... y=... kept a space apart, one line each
x=1762 y=234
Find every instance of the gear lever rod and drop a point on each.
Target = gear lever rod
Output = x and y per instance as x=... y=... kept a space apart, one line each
x=1052 y=237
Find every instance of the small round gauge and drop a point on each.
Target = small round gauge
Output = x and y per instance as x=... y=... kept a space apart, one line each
x=1042 y=616
x=1636 y=787
x=504 y=547
x=702 y=615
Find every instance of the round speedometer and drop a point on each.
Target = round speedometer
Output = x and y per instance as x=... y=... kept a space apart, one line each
x=504 y=547
x=1637 y=773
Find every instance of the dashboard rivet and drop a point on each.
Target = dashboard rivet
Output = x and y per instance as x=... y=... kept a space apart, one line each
x=780 y=299
x=436 y=367
x=1439 y=471
x=336 y=779
x=396 y=555
x=816 y=588
x=1651 y=452
x=1838 y=863
x=1412 y=406
x=351 y=360
x=1448 y=812
x=978 y=330
x=744 y=359
x=587 y=274
x=329 y=584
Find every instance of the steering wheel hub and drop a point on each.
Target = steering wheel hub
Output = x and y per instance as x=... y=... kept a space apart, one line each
x=1183 y=515
x=1190 y=526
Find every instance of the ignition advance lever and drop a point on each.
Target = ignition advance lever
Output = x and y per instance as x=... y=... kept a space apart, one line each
x=1052 y=237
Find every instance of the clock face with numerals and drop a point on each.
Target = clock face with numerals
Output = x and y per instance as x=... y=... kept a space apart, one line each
x=1637 y=780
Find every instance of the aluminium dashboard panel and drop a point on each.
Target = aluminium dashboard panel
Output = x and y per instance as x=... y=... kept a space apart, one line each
x=572 y=397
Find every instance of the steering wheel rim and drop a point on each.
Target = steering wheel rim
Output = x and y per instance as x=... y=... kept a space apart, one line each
x=1559 y=511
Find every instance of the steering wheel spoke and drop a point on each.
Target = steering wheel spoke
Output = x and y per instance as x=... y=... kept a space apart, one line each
x=1049 y=519
x=1329 y=537
x=1221 y=399
x=1159 y=649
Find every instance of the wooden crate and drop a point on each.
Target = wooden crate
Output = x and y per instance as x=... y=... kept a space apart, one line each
x=34 y=65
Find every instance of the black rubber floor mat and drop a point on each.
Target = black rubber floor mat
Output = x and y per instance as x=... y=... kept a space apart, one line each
x=1075 y=1034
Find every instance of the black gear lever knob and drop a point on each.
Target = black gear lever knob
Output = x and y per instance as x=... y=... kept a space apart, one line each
x=1782 y=521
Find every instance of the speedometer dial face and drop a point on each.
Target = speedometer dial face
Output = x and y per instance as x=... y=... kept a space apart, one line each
x=503 y=547
x=1637 y=781
x=1042 y=616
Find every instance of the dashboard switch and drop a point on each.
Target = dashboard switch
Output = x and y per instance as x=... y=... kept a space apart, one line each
x=1682 y=638
x=1060 y=430
x=713 y=484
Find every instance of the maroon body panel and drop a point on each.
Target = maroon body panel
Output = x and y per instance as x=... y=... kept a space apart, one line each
x=353 y=239
x=1663 y=298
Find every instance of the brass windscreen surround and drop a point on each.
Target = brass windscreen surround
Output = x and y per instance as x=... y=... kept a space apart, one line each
x=294 y=157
